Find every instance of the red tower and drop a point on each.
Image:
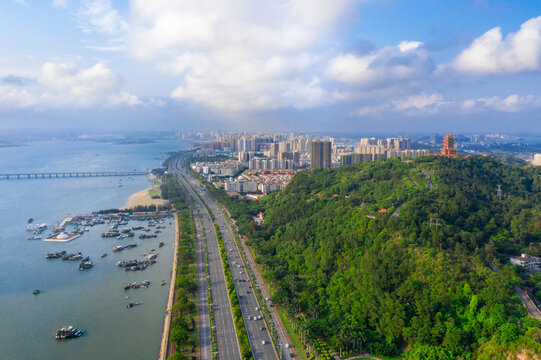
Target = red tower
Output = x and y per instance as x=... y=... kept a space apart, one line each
x=448 y=148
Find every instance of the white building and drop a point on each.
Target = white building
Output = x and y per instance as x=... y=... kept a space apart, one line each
x=536 y=160
x=225 y=168
x=241 y=186
x=528 y=262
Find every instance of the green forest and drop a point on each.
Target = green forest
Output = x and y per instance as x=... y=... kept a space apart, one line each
x=407 y=258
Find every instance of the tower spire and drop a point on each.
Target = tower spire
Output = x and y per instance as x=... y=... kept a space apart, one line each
x=448 y=148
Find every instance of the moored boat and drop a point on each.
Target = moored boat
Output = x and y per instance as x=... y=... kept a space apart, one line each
x=68 y=332
x=118 y=248
x=86 y=264
x=56 y=254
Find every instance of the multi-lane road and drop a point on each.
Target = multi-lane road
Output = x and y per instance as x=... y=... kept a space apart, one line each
x=258 y=334
x=283 y=340
x=203 y=320
x=226 y=337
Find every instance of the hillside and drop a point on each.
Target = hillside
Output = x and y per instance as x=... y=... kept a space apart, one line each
x=357 y=271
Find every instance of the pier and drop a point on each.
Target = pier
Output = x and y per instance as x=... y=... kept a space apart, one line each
x=51 y=175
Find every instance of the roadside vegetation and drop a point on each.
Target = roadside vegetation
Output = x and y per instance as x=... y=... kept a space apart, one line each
x=369 y=257
x=183 y=325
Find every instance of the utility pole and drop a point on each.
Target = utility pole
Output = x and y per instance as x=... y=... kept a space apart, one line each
x=435 y=222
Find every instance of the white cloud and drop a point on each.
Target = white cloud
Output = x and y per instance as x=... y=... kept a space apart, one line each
x=25 y=4
x=490 y=54
x=419 y=102
x=511 y=103
x=60 y=85
x=238 y=55
x=100 y=16
x=95 y=80
x=412 y=105
x=426 y=104
x=124 y=98
x=390 y=66
x=109 y=48
x=60 y=3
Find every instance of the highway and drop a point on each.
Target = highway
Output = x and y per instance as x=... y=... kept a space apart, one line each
x=258 y=334
x=204 y=339
x=226 y=337
x=286 y=351
x=257 y=329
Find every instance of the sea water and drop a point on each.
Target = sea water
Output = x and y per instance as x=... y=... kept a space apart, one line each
x=92 y=299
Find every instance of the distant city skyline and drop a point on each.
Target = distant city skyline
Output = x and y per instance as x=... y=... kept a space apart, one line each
x=356 y=66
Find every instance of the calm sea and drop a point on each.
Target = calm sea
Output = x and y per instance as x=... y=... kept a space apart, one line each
x=93 y=299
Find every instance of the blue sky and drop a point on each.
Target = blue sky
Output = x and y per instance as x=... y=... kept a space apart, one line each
x=333 y=65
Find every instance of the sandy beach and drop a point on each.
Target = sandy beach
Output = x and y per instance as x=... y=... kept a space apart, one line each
x=142 y=198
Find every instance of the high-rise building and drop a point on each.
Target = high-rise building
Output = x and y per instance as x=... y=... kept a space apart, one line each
x=283 y=146
x=537 y=160
x=320 y=155
x=448 y=148
x=274 y=149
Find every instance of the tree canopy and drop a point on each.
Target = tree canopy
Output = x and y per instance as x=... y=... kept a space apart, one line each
x=396 y=255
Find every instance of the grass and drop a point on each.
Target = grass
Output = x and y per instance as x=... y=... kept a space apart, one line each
x=297 y=343
x=154 y=192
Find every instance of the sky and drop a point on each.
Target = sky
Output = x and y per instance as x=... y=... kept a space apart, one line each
x=415 y=66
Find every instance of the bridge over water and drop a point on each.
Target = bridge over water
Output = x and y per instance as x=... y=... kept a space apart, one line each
x=50 y=175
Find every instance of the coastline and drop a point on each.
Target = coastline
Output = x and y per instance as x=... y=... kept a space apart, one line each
x=142 y=198
x=167 y=320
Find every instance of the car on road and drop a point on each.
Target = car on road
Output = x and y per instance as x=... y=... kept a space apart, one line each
x=262 y=328
x=263 y=342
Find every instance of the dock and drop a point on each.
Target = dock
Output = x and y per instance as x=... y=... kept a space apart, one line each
x=62 y=225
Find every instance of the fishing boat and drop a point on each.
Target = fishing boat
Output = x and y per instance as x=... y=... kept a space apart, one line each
x=72 y=256
x=130 y=305
x=118 y=248
x=136 y=284
x=36 y=227
x=86 y=264
x=56 y=254
x=68 y=332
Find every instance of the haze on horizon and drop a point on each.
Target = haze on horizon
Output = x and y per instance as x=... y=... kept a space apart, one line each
x=335 y=65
